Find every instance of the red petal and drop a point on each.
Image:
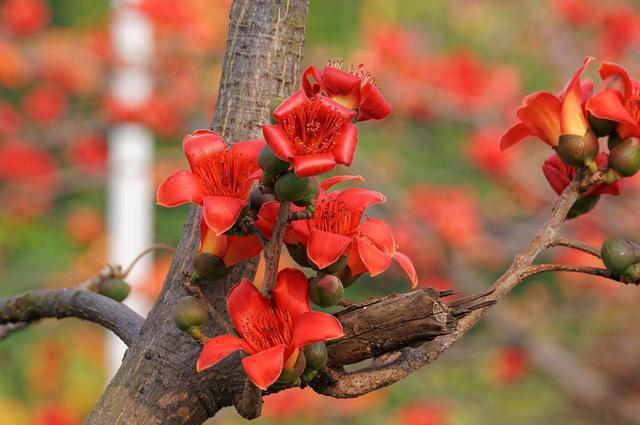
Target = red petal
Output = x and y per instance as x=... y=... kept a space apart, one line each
x=221 y=212
x=241 y=248
x=249 y=150
x=291 y=293
x=314 y=164
x=202 y=144
x=217 y=349
x=332 y=181
x=210 y=242
x=310 y=87
x=179 y=188
x=246 y=304
x=345 y=147
x=572 y=118
x=357 y=200
x=313 y=326
x=278 y=141
x=264 y=367
x=355 y=262
x=610 y=70
x=267 y=217
x=290 y=104
x=541 y=115
x=609 y=104
x=407 y=265
x=378 y=232
x=557 y=173
x=374 y=105
x=512 y=136
x=324 y=248
x=337 y=82
x=300 y=230
x=375 y=260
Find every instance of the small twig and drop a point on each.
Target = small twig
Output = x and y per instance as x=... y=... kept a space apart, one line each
x=595 y=271
x=274 y=248
x=154 y=247
x=301 y=215
x=346 y=303
x=8 y=328
x=575 y=244
x=248 y=226
x=196 y=291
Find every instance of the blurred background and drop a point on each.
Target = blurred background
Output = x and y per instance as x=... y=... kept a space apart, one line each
x=95 y=97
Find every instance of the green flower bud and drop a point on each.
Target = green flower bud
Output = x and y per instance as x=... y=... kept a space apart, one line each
x=270 y=163
x=574 y=150
x=116 y=289
x=602 y=126
x=347 y=278
x=272 y=108
x=290 y=187
x=613 y=140
x=336 y=267
x=633 y=272
x=583 y=205
x=625 y=157
x=189 y=313
x=298 y=253
x=309 y=374
x=619 y=254
x=313 y=190
x=325 y=290
x=316 y=355
x=289 y=375
x=209 y=266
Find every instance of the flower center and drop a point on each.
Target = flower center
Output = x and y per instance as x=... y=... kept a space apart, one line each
x=226 y=174
x=366 y=77
x=314 y=127
x=267 y=330
x=332 y=216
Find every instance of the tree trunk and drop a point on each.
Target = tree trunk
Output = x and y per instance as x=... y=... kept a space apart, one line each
x=157 y=382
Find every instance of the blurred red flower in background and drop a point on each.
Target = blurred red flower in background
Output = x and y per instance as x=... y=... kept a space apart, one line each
x=424 y=413
x=511 y=364
x=25 y=17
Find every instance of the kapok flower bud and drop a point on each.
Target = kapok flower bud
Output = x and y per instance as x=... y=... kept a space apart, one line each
x=316 y=355
x=270 y=163
x=613 y=140
x=290 y=375
x=602 y=126
x=116 y=289
x=313 y=190
x=298 y=253
x=624 y=158
x=347 y=277
x=258 y=198
x=209 y=266
x=290 y=187
x=633 y=272
x=619 y=254
x=189 y=313
x=583 y=205
x=575 y=150
x=325 y=290
x=272 y=108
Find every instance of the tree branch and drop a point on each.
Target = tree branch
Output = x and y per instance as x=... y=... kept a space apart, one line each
x=595 y=271
x=61 y=303
x=579 y=245
x=274 y=248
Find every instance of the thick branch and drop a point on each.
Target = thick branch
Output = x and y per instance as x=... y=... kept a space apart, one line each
x=60 y=303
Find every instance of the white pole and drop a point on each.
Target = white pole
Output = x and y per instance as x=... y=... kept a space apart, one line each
x=130 y=199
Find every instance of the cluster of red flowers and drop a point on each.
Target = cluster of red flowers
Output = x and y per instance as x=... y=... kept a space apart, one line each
x=572 y=122
x=242 y=190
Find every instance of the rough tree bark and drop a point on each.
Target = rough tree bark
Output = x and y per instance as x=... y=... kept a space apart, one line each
x=157 y=382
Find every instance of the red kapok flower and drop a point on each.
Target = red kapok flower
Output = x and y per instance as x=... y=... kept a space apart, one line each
x=559 y=175
x=220 y=178
x=354 y=89
x=24 y=17
x=620 y=101
x=272 y=332
x=337 y=229
x=314 y=134
x=547 y=116
x=231 y=248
